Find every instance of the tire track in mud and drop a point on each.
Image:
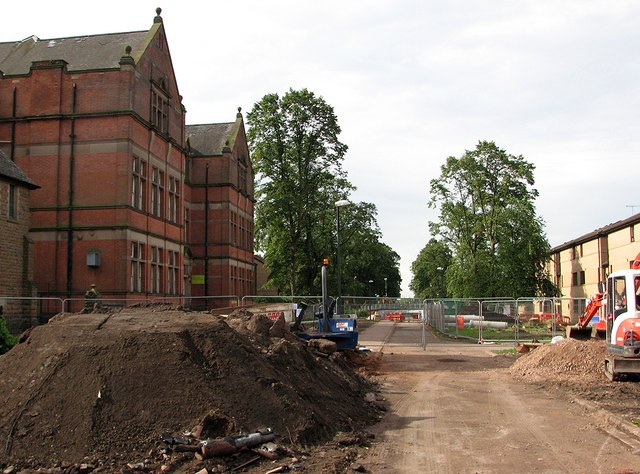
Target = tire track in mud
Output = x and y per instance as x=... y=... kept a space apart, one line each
x=454 y=408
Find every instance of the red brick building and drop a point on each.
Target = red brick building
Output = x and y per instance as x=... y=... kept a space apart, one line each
x=220 y=174
x=98 y=122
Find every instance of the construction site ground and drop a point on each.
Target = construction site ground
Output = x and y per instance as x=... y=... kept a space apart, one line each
x=463 y=407
x=95 y=392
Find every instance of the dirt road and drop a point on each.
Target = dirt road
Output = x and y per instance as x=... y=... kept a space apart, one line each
x=454 y=408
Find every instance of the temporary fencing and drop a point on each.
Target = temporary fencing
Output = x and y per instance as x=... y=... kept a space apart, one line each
x=503 y=319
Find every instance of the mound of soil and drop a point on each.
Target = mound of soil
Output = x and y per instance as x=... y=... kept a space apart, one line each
x=103 y=388
x=574 y=369
x=569 y=360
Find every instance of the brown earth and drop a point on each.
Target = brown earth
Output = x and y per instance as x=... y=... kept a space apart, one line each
x=97 y=391
x=101 y=390
x=575 y=369
x=456 y=407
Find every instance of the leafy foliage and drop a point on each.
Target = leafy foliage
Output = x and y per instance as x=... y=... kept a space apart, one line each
x=7 y=341
x=428 y=270
x=366 y=261
x=298 y=158
x=488 y=220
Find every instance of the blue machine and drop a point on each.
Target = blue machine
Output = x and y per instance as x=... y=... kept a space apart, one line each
x=341 y=329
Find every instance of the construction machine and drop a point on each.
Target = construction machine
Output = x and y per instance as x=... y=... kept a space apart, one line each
x=582 y=330
x=621 y=301
x=623 y=322
x=341 y=329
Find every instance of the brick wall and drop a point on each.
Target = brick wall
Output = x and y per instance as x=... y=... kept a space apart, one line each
x=111 y=125
x=16 y=257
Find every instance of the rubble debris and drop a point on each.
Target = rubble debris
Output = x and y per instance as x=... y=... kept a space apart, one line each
x=232 y=444
x=162 y=370
x=575 y=369
x=569 y=356
x=324 y=346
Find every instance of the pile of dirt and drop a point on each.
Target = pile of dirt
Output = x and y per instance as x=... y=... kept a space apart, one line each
x=574 y=370
x=103 y=388
x=568 y=360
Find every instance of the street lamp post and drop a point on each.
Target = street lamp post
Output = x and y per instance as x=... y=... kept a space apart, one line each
x=339 y=204
x=385 y=287
x=444 y=287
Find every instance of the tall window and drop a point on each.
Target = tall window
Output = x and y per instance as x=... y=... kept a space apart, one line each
x=137 y=267
x=242 y=177
x=234 y=229
x=156 y=270
x=172 y=271
x=186 y=224
x=159 y=110
x=233 y=281
x=241 y=232
x=250 y=289
x=138 y=183
x=157 y=191
x=578 y=278
x=578 y=306
x=12 y=201
x=174 y=199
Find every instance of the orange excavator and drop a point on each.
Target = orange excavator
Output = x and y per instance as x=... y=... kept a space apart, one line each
x=621 y=302
x=582 y=330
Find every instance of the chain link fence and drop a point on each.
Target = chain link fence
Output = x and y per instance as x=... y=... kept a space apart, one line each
x=483 y=320
x=519 y=320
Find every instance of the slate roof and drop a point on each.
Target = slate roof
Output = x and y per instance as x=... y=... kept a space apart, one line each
x=10 y=171
x=80 y=52
x=209 y=139
x=601 y=232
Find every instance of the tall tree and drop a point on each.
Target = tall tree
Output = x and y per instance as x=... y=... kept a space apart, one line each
x=365 y=258
x=428 y=270
x=488 y=219
x=298 y=161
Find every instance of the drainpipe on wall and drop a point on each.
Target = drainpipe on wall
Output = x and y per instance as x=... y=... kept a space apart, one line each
x=72 y=139
x=206 y=235
x=13 y=127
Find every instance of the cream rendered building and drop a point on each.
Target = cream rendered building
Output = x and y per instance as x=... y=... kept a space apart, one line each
x=580 y=264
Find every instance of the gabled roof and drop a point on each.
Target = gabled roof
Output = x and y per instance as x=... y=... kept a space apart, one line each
x=210 y=139
x=81 y=53
x=601 y=232
x=10 y=171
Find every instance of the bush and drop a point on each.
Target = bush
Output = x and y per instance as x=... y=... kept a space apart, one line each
x=7 y=341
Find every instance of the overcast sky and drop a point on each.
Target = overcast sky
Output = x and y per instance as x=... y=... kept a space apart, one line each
x=412 y=82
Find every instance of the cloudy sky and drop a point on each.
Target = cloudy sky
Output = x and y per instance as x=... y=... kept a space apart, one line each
x=412 y=82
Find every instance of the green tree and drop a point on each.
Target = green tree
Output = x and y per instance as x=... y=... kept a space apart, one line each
x=364 y=256
x=488 y=220
x=7 y=341
x=298 y=158
x=428 y=270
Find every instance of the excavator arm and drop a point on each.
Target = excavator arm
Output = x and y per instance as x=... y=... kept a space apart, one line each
x=595 y=303
x=582 y=329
